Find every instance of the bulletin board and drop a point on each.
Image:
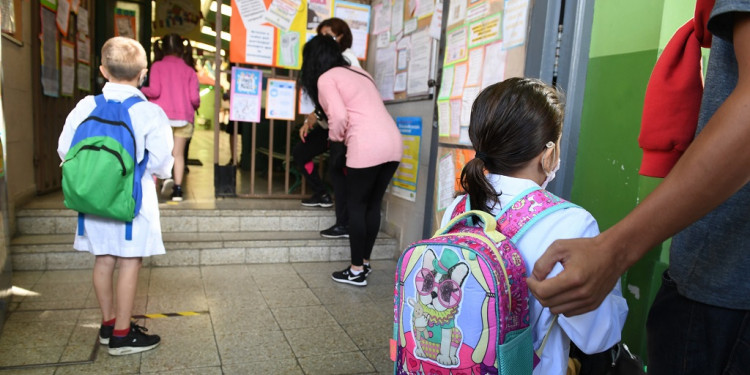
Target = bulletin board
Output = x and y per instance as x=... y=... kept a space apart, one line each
x=407 y=34
x=273 y=32
x=485 y=43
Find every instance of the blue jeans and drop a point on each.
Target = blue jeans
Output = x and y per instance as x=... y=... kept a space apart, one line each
x=688 y=337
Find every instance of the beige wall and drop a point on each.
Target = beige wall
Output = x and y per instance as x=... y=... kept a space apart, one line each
x=17 y=105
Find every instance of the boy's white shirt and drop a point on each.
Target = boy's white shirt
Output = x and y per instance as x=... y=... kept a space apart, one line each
x=592 y=332
x=152 y=132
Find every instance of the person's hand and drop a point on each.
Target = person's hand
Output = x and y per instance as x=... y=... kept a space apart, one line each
x=591 y=270
x=307 y=125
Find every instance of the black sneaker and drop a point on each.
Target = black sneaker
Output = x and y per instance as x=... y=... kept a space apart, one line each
x=368 y=269
x=105 y=332
x=336 y=231
x=346 y=276
x=323 y=200
x=135 y=342
x=177 y=193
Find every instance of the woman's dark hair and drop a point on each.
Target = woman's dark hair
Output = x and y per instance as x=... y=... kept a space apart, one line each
x=341 y=29
x=174 y=45
x=511 y=123
x=320 y=54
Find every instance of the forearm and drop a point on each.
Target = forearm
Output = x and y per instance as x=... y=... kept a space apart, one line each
x=714 y=167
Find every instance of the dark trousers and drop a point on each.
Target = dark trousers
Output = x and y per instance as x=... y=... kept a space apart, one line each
x=315 y=144
x=337 y=171
x=365 y=190
x=687 y=337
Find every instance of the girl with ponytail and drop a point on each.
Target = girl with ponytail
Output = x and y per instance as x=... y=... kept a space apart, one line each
x=173 y=85
x=515 y=130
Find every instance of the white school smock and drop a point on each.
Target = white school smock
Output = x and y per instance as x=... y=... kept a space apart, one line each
x=104 y=236
x=592 y=332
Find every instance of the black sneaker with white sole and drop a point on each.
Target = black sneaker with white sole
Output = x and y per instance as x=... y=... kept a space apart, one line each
x=135 y=342
x=323 y=200
x=336 y=231
x=347 y=277
x=368 y=269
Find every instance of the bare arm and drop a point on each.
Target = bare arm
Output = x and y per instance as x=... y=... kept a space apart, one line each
x=715 y=166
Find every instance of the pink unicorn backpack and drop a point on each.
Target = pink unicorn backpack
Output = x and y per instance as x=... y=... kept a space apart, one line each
x=461 y=300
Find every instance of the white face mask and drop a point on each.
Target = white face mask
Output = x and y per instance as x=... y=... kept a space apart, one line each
x=551 y=175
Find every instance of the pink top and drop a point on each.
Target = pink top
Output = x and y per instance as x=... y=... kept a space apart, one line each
x=173 y=85
x=357 y=116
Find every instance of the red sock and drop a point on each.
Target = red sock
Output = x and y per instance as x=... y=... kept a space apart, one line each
x=109 y=323
x=121 y=332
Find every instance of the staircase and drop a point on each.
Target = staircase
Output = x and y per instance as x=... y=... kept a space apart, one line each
x=230 y=231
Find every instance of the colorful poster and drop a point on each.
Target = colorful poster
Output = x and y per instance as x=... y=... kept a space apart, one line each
x=84 y=49
x=446 y=184
x=420 y=57
x=63 y=16
x=244 y=97
x=260 y=42
x=49 y=4
x=405 y=179
x=252 y=12
x=281 y=13
x=317 y=11
x=444 y=118
x=125 y=23
x=49 y=40
x=357 y=16
x=290 y=42
x=485 y=30
x=84 y=77
x=514 y=22
x=280 y=99
x=67 y=67
x=455 y=46
x=177 y=16
x=82 y=22
x=476 y=61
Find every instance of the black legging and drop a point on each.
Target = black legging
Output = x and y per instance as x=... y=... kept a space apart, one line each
x=315 y=144
x=365 y=190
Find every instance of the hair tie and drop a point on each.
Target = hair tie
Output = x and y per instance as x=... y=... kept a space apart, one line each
x=482 y=156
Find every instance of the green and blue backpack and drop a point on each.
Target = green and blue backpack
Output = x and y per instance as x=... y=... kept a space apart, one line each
x=101 y=175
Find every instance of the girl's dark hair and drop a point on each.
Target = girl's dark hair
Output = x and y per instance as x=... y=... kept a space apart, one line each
x=511 y=123
x=174 y=45
x=320 y=54
x=341 y=29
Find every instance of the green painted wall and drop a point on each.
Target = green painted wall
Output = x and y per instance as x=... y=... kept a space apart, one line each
x=606 y=182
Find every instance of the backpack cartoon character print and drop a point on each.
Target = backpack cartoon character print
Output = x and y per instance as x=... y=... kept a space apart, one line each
x=439 y=292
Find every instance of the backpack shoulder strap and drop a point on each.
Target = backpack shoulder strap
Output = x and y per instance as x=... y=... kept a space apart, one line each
x=131 y=100
x=528 y=208
x=100 y=100
x=461 y=207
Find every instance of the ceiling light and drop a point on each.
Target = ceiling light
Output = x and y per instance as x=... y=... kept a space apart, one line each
x=225 y=9
x=209 y=31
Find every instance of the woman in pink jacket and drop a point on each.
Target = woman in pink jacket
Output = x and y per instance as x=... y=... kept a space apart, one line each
x=356 y=116
x=173 y=85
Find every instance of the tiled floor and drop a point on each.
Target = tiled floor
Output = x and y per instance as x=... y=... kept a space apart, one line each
x=250 y=319
x=288 y=318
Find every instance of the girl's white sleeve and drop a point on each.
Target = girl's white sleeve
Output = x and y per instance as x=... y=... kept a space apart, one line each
x=600 y=329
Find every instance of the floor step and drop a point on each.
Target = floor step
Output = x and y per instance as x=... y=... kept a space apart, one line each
x=55 y=251
x=63 y=221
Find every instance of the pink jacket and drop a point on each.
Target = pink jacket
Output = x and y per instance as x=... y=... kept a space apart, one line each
x=173 y=85
x=357 y=116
